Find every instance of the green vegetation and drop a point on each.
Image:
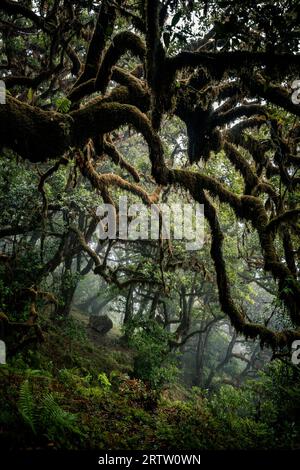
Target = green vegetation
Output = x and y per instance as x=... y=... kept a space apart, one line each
x=83 y=407
x=136 y=342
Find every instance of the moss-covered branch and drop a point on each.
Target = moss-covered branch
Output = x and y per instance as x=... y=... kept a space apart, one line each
x=232 y=60
x=125 y=41
x=100 y=180
x=237 y=316
x=105 y=23
x=118 y=159
x=39 y=135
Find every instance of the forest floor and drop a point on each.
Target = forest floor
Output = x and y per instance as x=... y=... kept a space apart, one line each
x=76 y=390
x=111 y=340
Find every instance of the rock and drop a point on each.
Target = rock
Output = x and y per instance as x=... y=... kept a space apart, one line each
x=102 y=324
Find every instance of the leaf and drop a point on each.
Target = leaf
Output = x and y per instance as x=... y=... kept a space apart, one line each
x=30 y=95
x=167 y=38
x=176 y=18
x=26 y=405
x=109 y=31
x=63 y=105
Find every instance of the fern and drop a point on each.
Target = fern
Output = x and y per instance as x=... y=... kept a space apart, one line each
x=54 y=417
x=44 y=415
x=26 y=405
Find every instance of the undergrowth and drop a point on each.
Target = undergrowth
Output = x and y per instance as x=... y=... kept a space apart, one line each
x=74 y=394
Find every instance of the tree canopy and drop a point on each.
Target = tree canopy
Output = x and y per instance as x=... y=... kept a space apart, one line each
x=83 y=78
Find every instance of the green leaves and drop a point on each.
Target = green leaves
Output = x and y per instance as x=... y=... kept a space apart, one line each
x=26 y=405
x=103 y=379
x=54 y=418
x=166 y=39
x=30 y=95
x=153 y=362
x=176 y=18
x=63 y=105
x=168 y=35
x=44 y=413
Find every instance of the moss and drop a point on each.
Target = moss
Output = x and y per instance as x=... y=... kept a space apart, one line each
x=3 y=318
x=118 y=159
x=110 y=179
x=33 y=133
x=105 y=23
x=241 y=165
x=121 y=43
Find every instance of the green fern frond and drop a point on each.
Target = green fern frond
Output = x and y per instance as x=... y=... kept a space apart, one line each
x=45 y=414
x=53 y=416
x=26 y=405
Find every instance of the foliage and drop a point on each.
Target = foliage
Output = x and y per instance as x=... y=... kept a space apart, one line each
x=76 y=408
x=264 y=413
x=153 y=361
x=26 y=405
x=103 y=379
x=152 y=100
x=43 y=414
x=63 y=105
